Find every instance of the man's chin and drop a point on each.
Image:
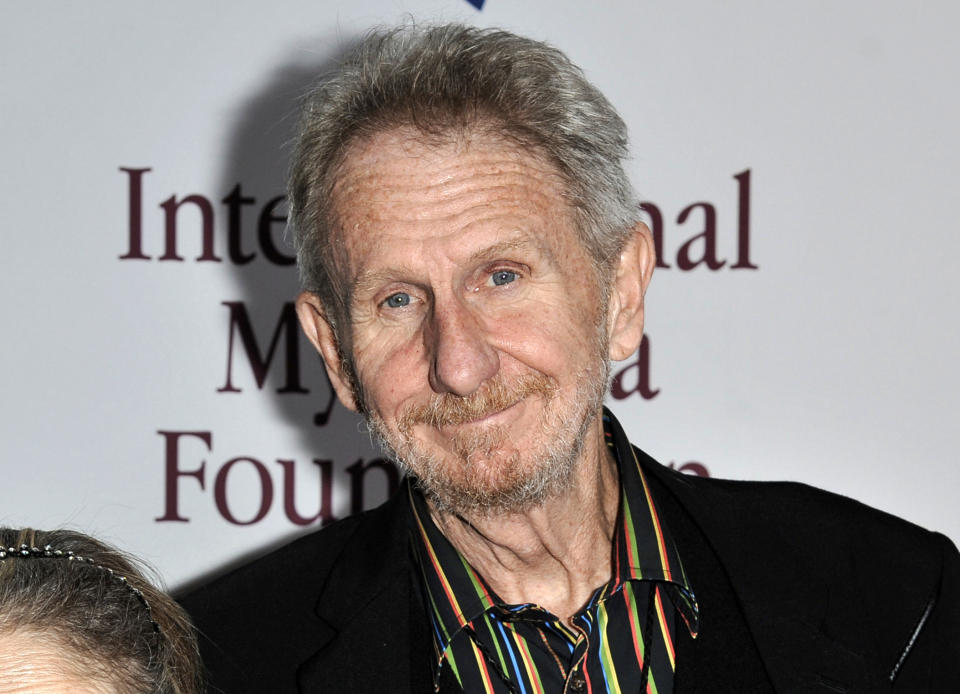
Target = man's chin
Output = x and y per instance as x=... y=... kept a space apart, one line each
x=484 y=501
x=496 y=482
x=489 y=468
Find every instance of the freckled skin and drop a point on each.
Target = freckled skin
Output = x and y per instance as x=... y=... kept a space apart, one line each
x=465 y=269
x=464 y=266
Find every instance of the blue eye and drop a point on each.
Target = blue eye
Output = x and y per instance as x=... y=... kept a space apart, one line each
x=398 y=300
x=502 y=277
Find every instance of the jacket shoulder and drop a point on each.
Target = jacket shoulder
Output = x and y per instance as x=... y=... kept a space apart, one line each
x=290 y=570
x=809 y=520
x=257 y=623
x=877 y=585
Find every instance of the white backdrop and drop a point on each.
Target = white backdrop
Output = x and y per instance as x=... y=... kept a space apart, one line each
x=824 y=135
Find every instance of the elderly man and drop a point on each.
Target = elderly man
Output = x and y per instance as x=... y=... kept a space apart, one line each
x=473 y=258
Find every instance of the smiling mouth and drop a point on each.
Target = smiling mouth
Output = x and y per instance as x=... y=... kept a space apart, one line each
x=481 y=418
x=446 y=410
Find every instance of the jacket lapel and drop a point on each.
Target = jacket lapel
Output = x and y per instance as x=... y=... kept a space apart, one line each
x=787 y=608
x=367 y=601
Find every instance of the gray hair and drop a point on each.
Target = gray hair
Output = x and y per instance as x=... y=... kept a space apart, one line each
x=97 y=608
x=453 y=77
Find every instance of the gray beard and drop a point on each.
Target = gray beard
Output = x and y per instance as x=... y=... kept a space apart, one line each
x=563 y=434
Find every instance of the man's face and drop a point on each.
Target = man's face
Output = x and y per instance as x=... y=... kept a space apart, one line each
x=477 y=327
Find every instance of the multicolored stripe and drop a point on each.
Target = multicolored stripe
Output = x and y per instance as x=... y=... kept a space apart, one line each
x=484 y=641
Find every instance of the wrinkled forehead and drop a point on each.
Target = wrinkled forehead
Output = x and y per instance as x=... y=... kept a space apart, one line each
x=415 y=184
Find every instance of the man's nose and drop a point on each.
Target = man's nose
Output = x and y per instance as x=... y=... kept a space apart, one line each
x=462 y=355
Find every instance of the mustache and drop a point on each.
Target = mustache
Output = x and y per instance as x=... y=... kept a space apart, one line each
x=446 y=409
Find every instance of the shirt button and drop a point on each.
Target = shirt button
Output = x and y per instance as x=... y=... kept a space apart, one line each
x=577 y=682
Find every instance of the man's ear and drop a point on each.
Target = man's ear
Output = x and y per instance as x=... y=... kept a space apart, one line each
x=313 y=320
x=630 y=279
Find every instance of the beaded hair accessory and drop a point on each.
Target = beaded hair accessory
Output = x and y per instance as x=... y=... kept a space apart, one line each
x=48 y=552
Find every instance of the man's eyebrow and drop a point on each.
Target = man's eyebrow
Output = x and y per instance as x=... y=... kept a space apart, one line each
x=502 y=247
x=369 y=281
x=366 y=282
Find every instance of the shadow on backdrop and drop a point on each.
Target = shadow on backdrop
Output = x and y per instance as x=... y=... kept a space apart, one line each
x=269 y=356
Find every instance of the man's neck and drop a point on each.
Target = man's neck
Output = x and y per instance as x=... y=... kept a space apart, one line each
x=554 y=554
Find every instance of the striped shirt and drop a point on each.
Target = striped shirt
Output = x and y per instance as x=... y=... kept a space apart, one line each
x=622 y=640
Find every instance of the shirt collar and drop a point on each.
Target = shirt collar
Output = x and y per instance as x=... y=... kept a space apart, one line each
x=643 y=551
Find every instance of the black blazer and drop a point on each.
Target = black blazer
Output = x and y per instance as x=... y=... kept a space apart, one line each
x=800 y=590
